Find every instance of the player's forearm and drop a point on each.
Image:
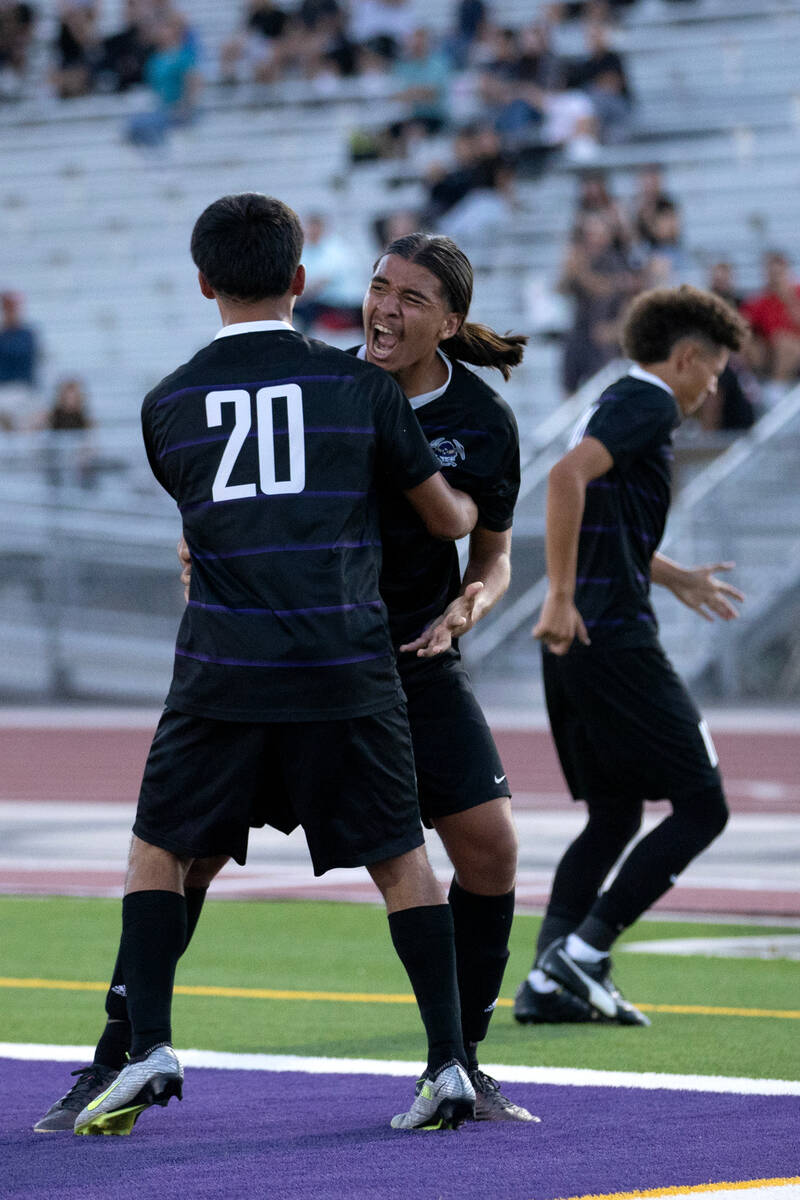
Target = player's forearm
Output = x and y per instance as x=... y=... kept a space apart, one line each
x=566 y=497
x=494 y=572
x=665 y=572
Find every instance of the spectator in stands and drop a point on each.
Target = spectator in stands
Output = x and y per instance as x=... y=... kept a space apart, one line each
x=320 y=42
x=257 y=52
x=476 y=189
x=391 y=226
x=19 y=359
x=171 y=73
x=126 y=52
x=601 y=74
x=421 y=74
x=666 y=263
x=79 y=49
x=393 y=20
x=469 y=18
x=599 y=280
x=738 y=399
x=650 y=196
x=17 y=23
x=334 y=286
x=594 y=196
x=511 y=103
x=569 y=124
x=774 y=315
x=69 y=410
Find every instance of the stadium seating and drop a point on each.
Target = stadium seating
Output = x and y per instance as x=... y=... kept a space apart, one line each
x=95 y=235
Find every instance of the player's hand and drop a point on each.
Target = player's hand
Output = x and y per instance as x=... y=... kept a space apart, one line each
x=458 y=618
x=699 y=589
x=559 y=624
x=185 y=559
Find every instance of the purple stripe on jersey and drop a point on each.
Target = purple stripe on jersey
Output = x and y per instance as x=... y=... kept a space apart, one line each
x=614 y=485
x=223 y=437
x=640 y=533
x=645 y=616
x=257 y=383
x=286 y=612
x=311 y=662
x=280 y=549
x=594 y=624
x=198 y=504
x=589 y=579
x=448 y=429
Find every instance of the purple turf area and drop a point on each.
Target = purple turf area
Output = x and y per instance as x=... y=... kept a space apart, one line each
x=289 y=1136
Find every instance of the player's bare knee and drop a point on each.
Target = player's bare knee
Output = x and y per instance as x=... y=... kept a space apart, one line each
x=202 y=871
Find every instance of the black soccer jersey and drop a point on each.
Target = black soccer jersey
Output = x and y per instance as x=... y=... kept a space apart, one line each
x=274 y=447
x=625 y=512
x=473 y=433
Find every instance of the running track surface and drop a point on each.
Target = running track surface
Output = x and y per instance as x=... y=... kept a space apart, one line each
x=92 y=764
x=97 y=757
x=292 y=1136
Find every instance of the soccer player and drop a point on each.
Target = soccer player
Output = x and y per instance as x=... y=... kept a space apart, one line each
x=624 y=726
x=415 y=319
x=285 y=706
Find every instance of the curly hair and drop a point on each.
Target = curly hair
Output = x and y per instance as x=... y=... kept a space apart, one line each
x=659 y=318
x=472 y=343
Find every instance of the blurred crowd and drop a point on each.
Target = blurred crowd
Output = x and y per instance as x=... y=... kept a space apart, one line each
x=472 y=108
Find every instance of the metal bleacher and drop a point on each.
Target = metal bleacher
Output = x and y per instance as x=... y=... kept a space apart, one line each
x=95 y=234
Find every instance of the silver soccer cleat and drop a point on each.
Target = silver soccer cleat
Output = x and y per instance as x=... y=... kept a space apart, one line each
x=150 y=1080
x=443 y=1102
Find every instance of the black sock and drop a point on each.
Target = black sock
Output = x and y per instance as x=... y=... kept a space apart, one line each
x=423 y=939
x=482 y=925
x=597 y=934
x=115 y=1040
x=552 y=927
x=153 y=939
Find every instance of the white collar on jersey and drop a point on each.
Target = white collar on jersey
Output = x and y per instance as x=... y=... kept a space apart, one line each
x=638 y=372
x=424 y=397
x=252 y=327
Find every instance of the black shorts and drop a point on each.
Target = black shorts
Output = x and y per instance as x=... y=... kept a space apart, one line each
x=625 y=726
x=349 y=783
x=458 y=766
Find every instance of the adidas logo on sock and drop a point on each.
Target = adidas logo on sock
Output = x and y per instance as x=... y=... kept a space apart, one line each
x=119 y=989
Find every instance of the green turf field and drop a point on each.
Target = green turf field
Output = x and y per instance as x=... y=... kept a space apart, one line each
x=345 y=948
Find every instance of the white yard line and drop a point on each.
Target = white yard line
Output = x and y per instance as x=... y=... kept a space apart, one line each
x=563 y=1076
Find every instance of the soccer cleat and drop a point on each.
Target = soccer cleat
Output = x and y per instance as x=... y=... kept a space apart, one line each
x=152 y=1079
x=551 y=1008
x=92 y=1080
x=442 y=1102
x=592 y=982
x=492 y=1105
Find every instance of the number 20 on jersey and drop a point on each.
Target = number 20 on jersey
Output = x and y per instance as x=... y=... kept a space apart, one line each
x=265 y=431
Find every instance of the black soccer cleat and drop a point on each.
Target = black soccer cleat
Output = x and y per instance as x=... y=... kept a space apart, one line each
x=92 y=1080
x=591 y=982
x=551 y=1008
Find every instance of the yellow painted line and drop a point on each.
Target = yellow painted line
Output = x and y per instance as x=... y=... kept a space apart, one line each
x=689 y=1190
x=242 y=993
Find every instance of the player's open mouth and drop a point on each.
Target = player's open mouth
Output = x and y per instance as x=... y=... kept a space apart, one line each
x=382 y=342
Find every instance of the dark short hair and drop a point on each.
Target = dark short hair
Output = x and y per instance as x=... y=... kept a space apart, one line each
x=248 y=246
x=658 y=319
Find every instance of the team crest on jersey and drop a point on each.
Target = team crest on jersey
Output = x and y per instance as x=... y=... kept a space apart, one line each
x=448 y=451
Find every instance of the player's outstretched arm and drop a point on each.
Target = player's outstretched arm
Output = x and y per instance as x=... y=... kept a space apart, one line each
x=446 y=512
x=560 y=622
x=698 y=588
x=486 y=580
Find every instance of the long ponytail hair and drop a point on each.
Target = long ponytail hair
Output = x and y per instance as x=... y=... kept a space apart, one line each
x=473 y=343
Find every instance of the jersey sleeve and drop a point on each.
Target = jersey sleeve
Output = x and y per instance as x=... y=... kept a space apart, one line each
x=630 y=426
x=497 y=493
x=404 y=458
x=149 y=442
